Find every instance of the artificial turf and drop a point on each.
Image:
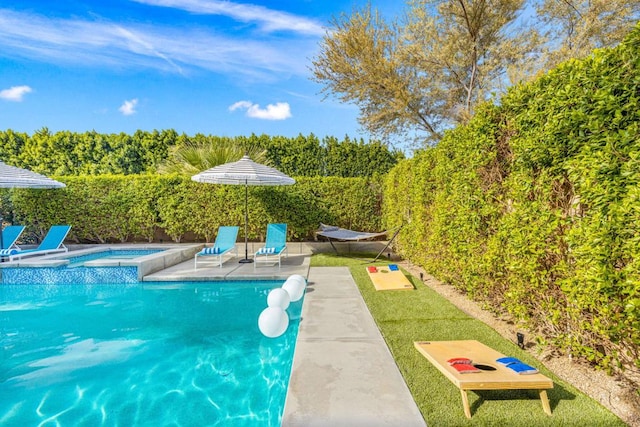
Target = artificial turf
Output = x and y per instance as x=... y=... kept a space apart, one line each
x=424 y=315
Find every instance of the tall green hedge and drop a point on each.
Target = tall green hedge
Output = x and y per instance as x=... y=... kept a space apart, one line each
x=534 y=206
x=67 y=153
x=142 y=207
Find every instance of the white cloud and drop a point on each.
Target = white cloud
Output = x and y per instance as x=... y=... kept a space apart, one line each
x=100 y=44
x=277 y=111
x=138 y=44
x=15 y=93
x=267 y=19
x=240 y=104
x=129 y=107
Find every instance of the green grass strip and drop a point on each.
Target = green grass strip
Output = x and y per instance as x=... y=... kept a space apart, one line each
x=424 y=315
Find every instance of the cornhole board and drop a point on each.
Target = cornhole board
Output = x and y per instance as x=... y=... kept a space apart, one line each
x=502 y=378
x=384 y=279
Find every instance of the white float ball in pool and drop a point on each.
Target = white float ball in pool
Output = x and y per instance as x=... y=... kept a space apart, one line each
x=273 y=322
x=278 y=297
x=295 y=288
x=298 y=277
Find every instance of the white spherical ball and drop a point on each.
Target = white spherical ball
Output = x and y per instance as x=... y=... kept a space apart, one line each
x=273 y=322
x=278 y=297
x=298 y=277
x=295 y=288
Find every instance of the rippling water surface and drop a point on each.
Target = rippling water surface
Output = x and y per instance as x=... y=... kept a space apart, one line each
x=153 y=354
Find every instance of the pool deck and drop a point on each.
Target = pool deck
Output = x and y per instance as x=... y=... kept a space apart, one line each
x=343 y=372
x=232 y=269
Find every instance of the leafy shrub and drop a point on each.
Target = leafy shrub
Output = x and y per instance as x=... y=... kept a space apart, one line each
x=533 y=206
x=119 y=208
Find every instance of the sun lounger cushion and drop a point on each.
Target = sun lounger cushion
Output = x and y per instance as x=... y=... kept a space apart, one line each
x=211 y=251
x=265 y=251
x=8 y=252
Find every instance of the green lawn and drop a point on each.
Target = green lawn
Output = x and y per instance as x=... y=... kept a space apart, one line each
x=423 y=315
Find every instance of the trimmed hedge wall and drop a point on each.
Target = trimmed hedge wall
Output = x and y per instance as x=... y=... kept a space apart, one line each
x=534 y=206
x=66 y=153
x=141 y=207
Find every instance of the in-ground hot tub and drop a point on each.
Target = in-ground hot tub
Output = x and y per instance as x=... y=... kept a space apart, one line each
x=100 y=264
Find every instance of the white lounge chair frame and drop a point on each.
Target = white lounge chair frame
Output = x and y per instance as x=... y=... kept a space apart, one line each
x=218 y=258
x=272 y=241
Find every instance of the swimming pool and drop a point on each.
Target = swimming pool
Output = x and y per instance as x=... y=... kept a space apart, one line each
x=179 y=353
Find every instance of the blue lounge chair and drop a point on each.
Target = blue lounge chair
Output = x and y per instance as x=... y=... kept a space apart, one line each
x=225 y=242
x=53 y=242
x=274 y=246
x=10 y=236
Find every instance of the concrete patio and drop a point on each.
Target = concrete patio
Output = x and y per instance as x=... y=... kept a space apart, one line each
x=343 y=373
x=232 y=269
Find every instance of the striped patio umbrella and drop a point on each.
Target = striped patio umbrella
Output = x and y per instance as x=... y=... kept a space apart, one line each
x=244 y=172
x=13 y=177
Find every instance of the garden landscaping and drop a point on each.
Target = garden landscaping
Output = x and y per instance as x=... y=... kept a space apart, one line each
x=437 y=312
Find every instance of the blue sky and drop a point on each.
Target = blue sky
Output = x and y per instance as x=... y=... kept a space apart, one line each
x=225 y=68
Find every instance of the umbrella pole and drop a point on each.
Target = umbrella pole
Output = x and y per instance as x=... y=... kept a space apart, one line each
x=246 y=222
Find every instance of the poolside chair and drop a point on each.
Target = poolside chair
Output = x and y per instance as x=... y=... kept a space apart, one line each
x=225 y=242
x=274 y=246
x=53 y=242
x=10 y=235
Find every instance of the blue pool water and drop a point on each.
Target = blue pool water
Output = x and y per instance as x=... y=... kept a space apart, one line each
x=143 y=354
x=77 y=261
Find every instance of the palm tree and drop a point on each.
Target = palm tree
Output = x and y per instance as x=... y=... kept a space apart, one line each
x=196 y=156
